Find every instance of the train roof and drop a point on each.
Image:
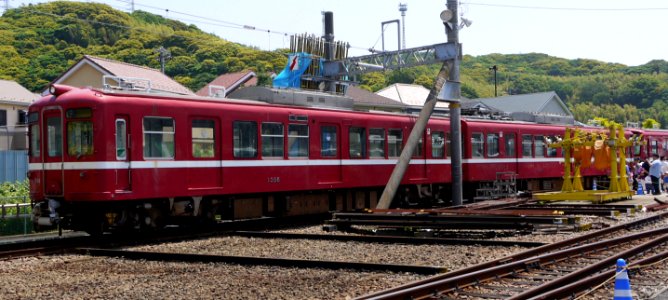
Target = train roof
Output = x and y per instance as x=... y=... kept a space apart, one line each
x=63 y=89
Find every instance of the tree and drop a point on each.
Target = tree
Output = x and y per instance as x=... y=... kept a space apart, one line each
x=650 y=123
x=425 y=81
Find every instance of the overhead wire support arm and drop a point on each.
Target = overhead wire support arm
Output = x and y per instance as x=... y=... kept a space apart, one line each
x=391 y=60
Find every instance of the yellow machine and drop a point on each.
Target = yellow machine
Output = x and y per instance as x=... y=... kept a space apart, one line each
x=608 y=150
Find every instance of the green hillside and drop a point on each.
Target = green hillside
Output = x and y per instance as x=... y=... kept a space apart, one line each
x=39 y=42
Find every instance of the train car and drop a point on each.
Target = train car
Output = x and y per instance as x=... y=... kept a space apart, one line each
x=511 y=147
x=656 y=142
x=105 y=159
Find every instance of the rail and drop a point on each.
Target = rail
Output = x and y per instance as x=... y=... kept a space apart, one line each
x=519 y=257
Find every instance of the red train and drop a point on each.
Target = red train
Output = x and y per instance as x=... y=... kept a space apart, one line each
x=119 y=159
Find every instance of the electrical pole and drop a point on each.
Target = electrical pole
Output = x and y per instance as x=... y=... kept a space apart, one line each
x=446 y=88
x=494 y=68
x=328 y=24
x=452 y=30
x=163 y=56
x=403 y=7
x=382 y=33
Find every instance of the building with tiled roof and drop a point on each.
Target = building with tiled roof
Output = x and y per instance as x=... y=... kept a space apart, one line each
x=14 y=102
x=413 y=96
x=225 y=84
x=366 y=101
x=90 y=71
x=546 y=107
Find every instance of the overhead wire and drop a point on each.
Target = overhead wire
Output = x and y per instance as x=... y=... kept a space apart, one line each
x=564 y=8
x=232 y=25
x=207 y=21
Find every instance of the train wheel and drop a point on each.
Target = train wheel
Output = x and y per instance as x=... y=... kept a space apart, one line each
x=208 y=213
x=154 y=218
x=95 y=226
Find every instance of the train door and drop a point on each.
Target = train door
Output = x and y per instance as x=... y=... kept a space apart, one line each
x=418 y=160
x=330 y=154
x=53 y=164
x=510 y=150
x=124 y=170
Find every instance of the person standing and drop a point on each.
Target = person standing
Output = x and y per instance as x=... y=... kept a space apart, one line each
x=631 y=175
x=664 y=173
x=655 y=173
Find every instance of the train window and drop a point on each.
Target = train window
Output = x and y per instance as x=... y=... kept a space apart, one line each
x=34 y=140
x=33 y=117
x=357 y=142
x=437 y=144
x=78 y=113
x=121 y=132
x=492 y=144
x=527 y=150
x=477 y=144
x=551 y=152
x=447 y=145
x=376 y=142
x=55 y=136
x=654 y=147
x=158 y=137
x=418 y=149
x=245 y=139
x=395 y=139
x=328 y=142
x=297 y=140
x=79 y=138
x=539 y=146
x=203 y=134
x=272 y=140
x=510 y=144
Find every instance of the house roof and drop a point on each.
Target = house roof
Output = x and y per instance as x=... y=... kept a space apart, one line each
x=12 y=92
x=159 y=81
x=536 y=102
x=231 y=81
x=363 y=97
x=408 y=94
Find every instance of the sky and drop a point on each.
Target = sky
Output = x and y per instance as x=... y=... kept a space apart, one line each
x=626 y=32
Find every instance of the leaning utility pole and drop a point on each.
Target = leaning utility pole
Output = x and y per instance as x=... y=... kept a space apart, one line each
x=447 y=89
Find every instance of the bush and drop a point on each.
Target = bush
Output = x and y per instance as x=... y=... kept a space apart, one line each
x=16 y=192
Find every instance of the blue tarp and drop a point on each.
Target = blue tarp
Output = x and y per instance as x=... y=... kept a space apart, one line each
x=292 y=73
x=13 y=165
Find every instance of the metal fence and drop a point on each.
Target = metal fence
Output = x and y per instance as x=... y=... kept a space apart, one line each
x=13 y=165
x=15 y=216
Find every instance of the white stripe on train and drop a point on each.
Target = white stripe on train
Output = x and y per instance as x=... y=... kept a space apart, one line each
x=171 y=164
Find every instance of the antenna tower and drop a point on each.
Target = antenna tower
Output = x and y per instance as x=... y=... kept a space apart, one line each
x=403 y=7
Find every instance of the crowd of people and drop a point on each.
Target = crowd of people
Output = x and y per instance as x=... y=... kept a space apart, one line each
x=650 y=175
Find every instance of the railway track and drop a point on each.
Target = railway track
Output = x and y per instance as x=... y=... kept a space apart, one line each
x=384 y=239
x=56 y=244
x=468 y=280
x=255 y=261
